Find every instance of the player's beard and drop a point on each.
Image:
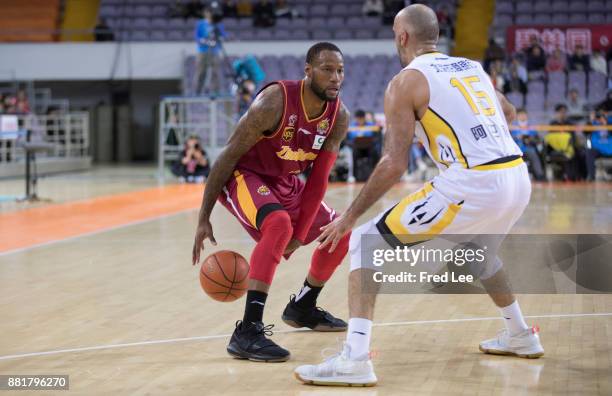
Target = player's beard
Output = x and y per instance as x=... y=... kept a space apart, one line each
x=320 y=92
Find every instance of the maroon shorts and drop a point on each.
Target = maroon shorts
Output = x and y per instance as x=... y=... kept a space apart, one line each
x=247 y=193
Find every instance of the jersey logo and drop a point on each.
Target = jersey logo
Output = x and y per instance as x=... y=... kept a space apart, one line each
x=304 y=131
x=323 y=126
x=318 y=142
x=263 y=190
x=289 y=155
x=479 y=132
x=292 y=119
x=288 y=134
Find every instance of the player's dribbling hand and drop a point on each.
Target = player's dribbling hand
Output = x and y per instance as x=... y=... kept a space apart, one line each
x=203 y=232
x=333 y=232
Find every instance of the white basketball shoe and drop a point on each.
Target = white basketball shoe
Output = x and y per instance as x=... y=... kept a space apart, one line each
x=339 y=370
x=526 y=344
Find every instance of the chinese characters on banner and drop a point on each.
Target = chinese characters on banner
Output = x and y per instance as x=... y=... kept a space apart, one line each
x=592 y=38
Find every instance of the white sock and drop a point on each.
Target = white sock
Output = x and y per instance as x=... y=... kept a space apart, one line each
x=513 y=318
x=358 y=337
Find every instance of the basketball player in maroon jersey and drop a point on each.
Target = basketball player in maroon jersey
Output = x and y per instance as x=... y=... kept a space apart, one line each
x=290 y=126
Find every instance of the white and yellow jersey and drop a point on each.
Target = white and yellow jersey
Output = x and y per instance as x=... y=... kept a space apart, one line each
x=464 y=125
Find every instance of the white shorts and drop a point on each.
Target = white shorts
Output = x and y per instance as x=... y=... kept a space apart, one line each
x=458 y=201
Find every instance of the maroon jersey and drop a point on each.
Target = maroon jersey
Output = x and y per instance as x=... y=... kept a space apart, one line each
x=297 y=140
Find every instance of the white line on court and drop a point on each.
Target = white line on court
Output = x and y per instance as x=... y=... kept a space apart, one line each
x=214 y=337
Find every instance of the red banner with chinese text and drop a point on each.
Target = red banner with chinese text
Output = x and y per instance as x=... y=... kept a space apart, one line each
x=591 y=37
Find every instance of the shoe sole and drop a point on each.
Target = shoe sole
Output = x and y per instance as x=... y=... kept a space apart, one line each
x=507 y=353
x=243 y=355
x=324 y=329
x=324 y=383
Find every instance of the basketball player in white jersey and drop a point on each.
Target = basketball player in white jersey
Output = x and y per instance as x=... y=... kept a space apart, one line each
x=483 y=187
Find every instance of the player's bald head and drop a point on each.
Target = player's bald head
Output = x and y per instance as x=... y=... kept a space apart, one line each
x=420 y=22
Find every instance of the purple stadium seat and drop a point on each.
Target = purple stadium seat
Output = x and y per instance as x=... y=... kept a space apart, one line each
x=597 y=87
x=596 y=6
x=541 y=19
x=364 y=34
x=542 y=6
x=335 y=23
x=321 y=34
x=139 y=35
x=556 y=93
x=595 y=18
x=385 y=33
x=302 y=9
x=142 y=11
x=300 y=34
x=159 y=10
x=578 y=18
x=577 y=6
x=159 y=23
x=108 y=11
x=516 y=99
x=370 y=22
x=353 y=22
x=282 y=22
x=556 y=78
x=560 y=5
x=343 y=34
x=233 y=24
x=281 y=34
x=504 y=6
x=176 y=23
x=353 y=9
x=158 y=35
x=524 y=19
x=140 y=23
x=299 y=23
x=524 y=7
x=577 y=80
x=609 y=17
x=245 y=23
x=535 y=87
x=338 y=10
x=264 y=34
x=319 y=10
x=535 y=101
x=560 y=19
x=503 y=20
x=319 y=23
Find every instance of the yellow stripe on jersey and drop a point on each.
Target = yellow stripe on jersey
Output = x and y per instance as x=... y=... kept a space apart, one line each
x=435 y=127
x=505 y=165
x=245 y=200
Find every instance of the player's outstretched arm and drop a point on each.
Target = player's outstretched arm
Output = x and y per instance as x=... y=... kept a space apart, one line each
x=507 y=107
x=263 y=115
x=315 y=188
x=400 y=110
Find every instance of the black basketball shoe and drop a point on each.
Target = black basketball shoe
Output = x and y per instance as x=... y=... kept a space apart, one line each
x=314 y=318
x=250 y=342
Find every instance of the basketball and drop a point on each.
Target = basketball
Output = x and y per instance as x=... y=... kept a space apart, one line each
x=224 y=275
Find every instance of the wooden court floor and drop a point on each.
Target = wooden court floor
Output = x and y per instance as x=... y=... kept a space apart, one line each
x=98 y=285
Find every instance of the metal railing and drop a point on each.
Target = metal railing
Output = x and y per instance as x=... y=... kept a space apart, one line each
x=212 y=120
x=69 y=133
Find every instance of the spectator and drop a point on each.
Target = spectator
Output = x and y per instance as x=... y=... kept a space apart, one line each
x=606 y=105
x=264 y=14
x=556 y=62
x=102 y=32
x=246 y=94
x=209 y=36
x=514 y=83
x=493 y=53
x=193 y=164
x=445 y=21
x=358 y=129
x=529 y=142
x=598 y=62
x=601 y=143
x=229 y=9
x=2 y=103
x=245 y=8
x=521 y=71
x=580 y=60
x=497 y=79
x=284 y=10
x=193 y=9
x=576 y=106
x=560 y=145
x=22 y=104
x=536 y=61
x=372 y=8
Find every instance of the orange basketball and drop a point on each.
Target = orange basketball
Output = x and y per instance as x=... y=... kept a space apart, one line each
x=224 y=275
